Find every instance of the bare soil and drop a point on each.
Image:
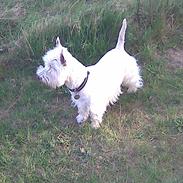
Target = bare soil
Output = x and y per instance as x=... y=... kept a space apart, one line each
x=174 y=57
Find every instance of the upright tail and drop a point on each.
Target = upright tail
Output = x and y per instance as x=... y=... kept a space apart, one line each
x=121 y=37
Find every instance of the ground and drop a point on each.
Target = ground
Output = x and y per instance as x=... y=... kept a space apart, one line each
x=140 y=139
x=175 y=57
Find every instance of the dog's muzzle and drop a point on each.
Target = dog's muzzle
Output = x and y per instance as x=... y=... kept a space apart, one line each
x=38 y=73
x=39 y=78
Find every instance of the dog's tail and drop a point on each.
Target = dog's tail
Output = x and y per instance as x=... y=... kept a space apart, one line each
x=121 y=37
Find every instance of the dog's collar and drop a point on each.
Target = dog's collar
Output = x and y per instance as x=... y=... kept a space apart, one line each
x=76 y=90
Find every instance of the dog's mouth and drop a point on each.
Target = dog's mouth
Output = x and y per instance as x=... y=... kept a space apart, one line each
x=41 y=75
x=43 y=78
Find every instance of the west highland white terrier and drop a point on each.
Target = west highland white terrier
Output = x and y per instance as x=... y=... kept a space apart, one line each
x=94 y=87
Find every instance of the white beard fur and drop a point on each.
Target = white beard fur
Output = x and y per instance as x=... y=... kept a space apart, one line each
x=103 y=87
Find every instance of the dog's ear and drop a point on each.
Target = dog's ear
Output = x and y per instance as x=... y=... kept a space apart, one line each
x=58 y=42
x=62 y=59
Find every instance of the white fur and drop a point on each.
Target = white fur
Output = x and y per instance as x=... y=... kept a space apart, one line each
x=103 y=87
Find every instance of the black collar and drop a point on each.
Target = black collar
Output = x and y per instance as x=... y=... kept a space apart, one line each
x=76 y=90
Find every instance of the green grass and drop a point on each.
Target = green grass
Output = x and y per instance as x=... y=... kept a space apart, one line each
x=141 y=135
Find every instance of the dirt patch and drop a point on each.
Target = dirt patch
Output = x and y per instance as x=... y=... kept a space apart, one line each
x=174 y=57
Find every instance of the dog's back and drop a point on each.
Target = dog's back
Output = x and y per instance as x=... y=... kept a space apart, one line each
x=116 y=67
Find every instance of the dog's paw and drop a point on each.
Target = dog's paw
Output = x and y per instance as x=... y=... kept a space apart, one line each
x=95 y=125
x=80 y=119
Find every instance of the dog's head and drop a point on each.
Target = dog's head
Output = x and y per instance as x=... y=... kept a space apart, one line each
x=55 y=71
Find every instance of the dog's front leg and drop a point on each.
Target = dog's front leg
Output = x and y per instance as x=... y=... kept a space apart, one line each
x=96 y=114
x=96 y=120
x=83 y=113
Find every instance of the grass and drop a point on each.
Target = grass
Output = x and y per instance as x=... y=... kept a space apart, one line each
x=141 y=136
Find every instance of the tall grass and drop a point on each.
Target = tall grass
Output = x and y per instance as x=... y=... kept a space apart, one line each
x=89 y=32
x=82 y=34
x=80 y=24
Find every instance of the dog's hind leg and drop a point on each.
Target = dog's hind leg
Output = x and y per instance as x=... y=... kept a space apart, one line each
x=134 y=83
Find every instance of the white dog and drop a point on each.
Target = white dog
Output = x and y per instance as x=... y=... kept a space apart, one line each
x=92 y=88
